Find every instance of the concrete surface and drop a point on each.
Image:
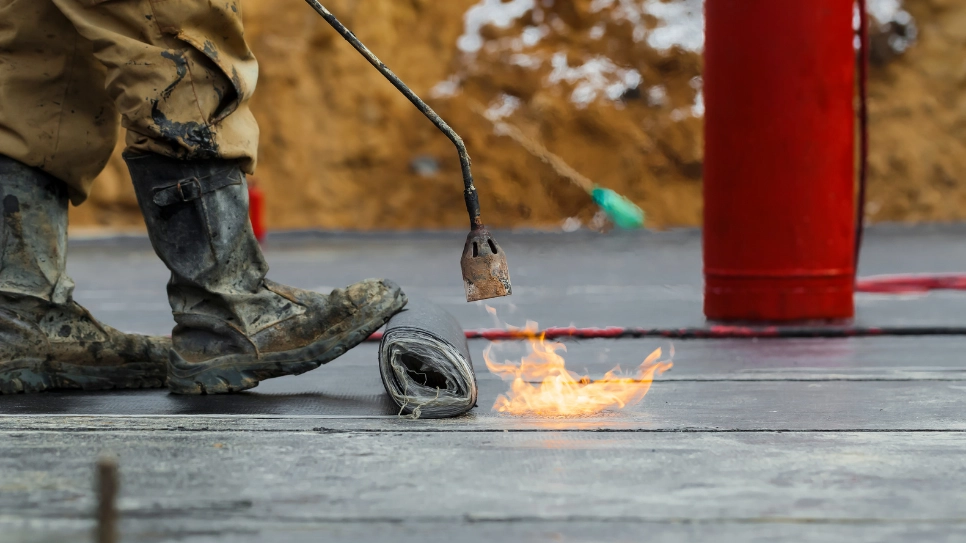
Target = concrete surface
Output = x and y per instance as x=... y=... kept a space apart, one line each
x=806 y=440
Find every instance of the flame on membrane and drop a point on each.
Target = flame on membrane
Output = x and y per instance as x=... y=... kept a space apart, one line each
x=542 y=385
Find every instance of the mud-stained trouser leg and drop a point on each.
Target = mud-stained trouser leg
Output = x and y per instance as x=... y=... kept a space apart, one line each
x=178 y=72
x=55 y=113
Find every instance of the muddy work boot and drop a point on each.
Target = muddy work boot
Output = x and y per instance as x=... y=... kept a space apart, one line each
x=47 y=340
x=234 y=327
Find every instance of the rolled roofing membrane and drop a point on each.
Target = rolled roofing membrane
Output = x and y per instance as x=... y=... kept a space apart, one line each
x=425 y=363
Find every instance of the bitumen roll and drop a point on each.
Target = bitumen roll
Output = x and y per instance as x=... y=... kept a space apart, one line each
x=425 y=363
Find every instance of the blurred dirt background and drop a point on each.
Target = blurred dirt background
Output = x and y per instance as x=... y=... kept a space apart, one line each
x=612 y=86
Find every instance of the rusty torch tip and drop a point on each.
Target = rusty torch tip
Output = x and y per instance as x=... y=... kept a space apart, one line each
x=485 y=271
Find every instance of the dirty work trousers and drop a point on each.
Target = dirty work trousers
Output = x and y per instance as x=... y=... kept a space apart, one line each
x=177 y=74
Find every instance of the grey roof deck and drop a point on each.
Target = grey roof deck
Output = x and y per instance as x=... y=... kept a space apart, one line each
x=847 y=439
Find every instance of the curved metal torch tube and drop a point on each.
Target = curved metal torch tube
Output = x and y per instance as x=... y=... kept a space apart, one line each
x=469 y=192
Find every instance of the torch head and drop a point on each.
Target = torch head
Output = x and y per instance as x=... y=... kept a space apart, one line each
x=485 y=271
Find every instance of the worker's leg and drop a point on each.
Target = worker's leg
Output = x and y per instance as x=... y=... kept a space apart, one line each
x=181 y=75
x=56 y=124
x=47 y=340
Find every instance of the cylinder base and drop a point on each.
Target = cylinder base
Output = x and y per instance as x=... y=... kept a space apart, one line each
x=778 y=299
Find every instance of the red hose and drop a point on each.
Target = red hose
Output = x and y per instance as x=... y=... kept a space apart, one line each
x=863 y=127
x=894 y=284
x=910 y=284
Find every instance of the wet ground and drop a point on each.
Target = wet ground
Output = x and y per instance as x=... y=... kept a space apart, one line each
x=743 y=440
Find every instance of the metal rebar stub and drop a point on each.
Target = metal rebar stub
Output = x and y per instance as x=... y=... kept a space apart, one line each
x=485 y=271
x=107 y=488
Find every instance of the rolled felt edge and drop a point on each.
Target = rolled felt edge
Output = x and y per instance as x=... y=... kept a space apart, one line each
x=435 y=321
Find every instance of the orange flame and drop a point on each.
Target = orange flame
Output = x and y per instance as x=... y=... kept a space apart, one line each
x=542 y=385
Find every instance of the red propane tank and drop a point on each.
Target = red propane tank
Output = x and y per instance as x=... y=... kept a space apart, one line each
x=256 y=208
x=778 y=179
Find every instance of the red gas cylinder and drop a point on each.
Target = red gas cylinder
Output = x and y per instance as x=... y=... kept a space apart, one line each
x=778 y=177
x=256 y=208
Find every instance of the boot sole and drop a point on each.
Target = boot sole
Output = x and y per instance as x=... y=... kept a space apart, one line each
x=235 y=373
x=26 y=376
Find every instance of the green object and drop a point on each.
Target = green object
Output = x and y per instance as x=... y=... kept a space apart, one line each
x=622 y=212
